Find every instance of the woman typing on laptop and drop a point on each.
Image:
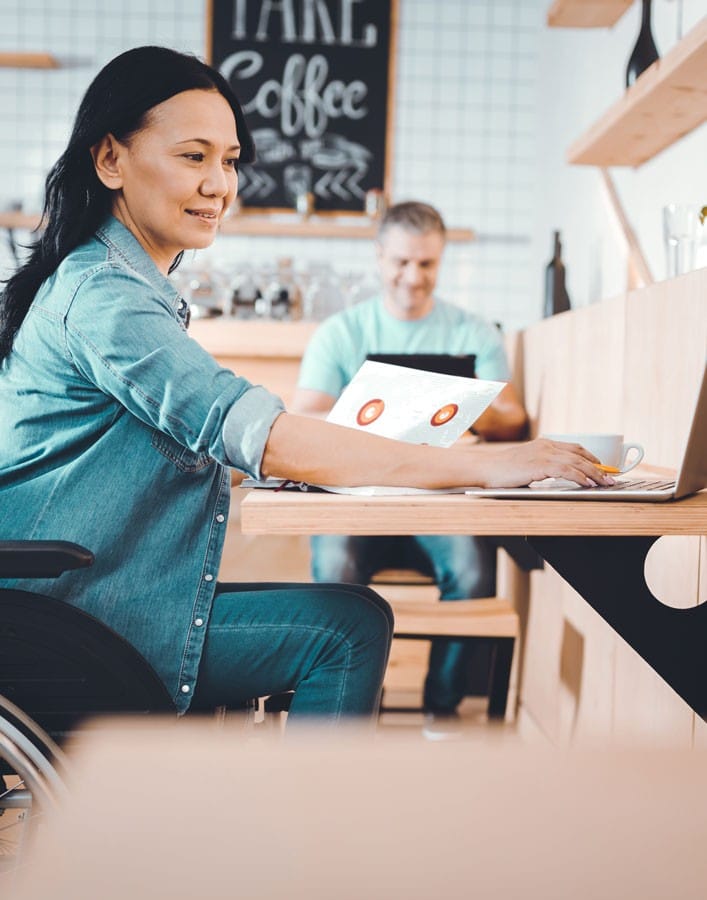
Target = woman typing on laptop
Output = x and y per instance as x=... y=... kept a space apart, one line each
x=119 y=430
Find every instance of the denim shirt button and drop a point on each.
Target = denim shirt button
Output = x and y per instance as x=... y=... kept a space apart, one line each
x=198 y=622
x=220 y=518
x=185 y=688
x=208 y=577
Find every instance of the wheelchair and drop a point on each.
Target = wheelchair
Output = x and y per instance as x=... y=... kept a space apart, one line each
x=58 y=666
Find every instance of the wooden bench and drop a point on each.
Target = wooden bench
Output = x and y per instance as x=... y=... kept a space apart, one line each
x=419 y=615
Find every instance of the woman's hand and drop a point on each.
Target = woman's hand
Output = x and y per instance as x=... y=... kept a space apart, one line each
x=535 y=460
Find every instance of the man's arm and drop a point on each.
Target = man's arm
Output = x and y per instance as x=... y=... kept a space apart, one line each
x=504 y=420
x=307 y=402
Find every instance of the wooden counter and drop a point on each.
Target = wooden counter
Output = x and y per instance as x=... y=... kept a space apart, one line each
x=264 y=352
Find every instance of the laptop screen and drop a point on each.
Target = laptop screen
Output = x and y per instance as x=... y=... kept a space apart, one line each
x=443 y=363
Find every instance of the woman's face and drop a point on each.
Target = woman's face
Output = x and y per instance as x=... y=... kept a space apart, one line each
x=176 y=177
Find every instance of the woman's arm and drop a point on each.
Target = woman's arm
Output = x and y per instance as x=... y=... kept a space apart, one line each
x=306 y=449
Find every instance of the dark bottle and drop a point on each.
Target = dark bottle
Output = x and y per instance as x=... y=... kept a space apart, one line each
x=556 y=297
x=645 y=51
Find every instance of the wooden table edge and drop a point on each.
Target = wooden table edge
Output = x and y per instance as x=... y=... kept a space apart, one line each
x=266 y=512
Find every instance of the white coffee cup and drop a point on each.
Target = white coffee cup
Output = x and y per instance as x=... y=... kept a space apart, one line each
x=609 y=449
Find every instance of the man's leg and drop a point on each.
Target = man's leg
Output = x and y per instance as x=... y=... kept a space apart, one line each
x=328 y=643
x=464 y=568
x=352 y=560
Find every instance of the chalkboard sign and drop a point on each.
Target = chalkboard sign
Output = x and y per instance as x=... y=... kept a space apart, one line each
x=315 y=78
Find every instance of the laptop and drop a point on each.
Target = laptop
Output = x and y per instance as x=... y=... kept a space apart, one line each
x=691 y=478
x=442 y=363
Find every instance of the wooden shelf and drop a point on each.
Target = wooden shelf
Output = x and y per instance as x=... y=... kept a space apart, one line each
x=316 y=227
x=28 y=61
x=19 y=220
x=586 y=13
x=284 y=226
x=667 y=102
x=263 y=226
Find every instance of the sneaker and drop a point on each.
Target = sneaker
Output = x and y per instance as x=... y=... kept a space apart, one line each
x=442 y=726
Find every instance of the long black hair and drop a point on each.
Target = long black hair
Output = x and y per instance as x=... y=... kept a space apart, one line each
x=76 y=202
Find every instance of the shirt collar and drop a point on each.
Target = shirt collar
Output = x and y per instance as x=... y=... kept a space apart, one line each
x=122 y=241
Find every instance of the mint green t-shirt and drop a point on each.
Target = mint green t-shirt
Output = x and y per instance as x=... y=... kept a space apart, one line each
x=341 y=343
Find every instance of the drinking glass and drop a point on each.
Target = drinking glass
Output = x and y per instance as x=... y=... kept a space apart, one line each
x=682 y=231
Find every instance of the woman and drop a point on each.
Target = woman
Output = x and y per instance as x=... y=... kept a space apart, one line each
x=119 y=431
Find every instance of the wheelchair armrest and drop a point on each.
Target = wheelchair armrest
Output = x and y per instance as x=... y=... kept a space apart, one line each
x=41 y=559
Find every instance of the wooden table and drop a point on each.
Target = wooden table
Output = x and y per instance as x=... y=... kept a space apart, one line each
x=600 y=548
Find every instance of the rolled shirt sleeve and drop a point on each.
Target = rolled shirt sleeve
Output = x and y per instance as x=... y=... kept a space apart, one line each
x=247 y=427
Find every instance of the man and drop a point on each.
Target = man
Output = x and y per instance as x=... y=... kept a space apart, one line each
x=408 y=318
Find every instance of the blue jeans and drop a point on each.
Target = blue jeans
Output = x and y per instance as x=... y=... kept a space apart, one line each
x=328 y=643
x=463 y=568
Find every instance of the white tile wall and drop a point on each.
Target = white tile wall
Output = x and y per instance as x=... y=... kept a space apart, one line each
x=465 y=124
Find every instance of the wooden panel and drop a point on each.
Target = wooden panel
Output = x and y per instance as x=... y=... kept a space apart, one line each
x=591 y=382
x=586 y=672
x=539 y=676
x=667 y=101
x=666 y=341
x=646 y=710
x=514 y=584
x=568 y=671
x=545 y=373
x=586 y=13
x=556 y=403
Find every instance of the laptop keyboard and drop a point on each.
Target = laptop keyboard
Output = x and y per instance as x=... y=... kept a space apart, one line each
x=623 y=484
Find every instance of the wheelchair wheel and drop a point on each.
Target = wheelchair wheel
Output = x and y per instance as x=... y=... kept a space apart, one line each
x=32 y=781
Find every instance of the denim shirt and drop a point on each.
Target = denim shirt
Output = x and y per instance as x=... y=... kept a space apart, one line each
x=116 y=431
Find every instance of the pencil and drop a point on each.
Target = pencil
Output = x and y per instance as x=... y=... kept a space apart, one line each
x=610 y=470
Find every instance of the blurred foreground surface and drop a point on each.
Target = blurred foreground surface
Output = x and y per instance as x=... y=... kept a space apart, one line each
x=186 y=810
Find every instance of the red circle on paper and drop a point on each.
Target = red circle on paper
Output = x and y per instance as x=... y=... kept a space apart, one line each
x=444 y=414
x=370 y=411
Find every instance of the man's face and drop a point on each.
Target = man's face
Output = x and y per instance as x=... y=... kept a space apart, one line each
x=409 y=263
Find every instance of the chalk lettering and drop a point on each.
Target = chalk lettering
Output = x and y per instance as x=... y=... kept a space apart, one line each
x=316 y=22
x=303 y=100
x=238 y=31
x=289 y=29
x=242 y=65
x=309 y=25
